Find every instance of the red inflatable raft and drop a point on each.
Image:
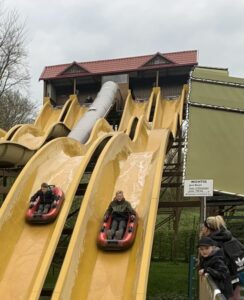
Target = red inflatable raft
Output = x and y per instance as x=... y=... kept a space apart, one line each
x=117 y=245
x=32 y=216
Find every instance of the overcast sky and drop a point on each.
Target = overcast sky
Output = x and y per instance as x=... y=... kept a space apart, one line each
x=62 y=31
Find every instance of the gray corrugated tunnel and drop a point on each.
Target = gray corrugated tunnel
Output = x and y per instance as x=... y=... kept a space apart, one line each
x=98 y=109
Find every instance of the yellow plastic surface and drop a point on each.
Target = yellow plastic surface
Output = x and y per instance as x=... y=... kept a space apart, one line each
x=136 y=168
x=52 y=122
x=2 y=133
x=46 y=117
x=22 y=141
x=87 y=273
x=168 y=113
x=28 y=250
x=136 y=109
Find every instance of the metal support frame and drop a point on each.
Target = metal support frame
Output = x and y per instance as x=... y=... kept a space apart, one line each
x=5 y=174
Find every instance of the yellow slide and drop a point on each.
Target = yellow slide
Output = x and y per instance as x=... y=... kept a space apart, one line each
x=2 y=133
x=168 y=113
x=136 y=109
x=21 y=142
x=136 y=168
x=33 y=136
x=47 y=116
x=27 y=250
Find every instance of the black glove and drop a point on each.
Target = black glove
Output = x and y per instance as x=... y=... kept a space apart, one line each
x=54 y=205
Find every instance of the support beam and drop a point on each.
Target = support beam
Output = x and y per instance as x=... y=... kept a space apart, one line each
x=4 y=190
x=169 y=173
x=171 y=185
x=167 y=204
x=9 y=172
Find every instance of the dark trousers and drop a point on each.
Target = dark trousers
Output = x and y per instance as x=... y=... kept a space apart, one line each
x=236 y=292
x=44 y=208
x=117 y=229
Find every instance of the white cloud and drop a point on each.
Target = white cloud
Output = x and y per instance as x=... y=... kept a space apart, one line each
x=62 y=31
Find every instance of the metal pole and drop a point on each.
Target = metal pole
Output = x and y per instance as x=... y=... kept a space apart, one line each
x=203 y=209
x=190 y=276
x=74 y=86
x=157 y=78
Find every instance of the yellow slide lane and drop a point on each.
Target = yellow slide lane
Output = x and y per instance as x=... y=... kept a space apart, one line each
x=52 y=122
x=58 y=124
x=27 y=250
x=137 y=109
x=75 y=112
x=47 y=116
x=163 y=117
x=2 y=133
x=87 y=272
x=136 y=168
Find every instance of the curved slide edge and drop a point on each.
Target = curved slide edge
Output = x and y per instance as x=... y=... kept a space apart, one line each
x=40 y=131
x=137 y=109
x=45 y=117
x=165 y=108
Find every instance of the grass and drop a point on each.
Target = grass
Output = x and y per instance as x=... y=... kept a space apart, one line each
x=167 y=281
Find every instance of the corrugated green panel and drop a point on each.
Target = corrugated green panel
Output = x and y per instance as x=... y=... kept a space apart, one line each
x=206 y=73
x=208 y=93
x=216 y=148
x=216 y=74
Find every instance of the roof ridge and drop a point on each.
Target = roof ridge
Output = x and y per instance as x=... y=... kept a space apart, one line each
x=120 y=58
x=112 y=59
x=99 y=60
x=185 y=51
x=59 y=65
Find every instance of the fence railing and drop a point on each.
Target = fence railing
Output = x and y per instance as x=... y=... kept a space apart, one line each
x=208 y=289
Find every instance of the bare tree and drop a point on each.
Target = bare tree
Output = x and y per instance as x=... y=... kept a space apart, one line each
x=16 y=109
x=14 y=71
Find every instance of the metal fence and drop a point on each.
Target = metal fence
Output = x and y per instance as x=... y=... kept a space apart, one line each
x=208 y=289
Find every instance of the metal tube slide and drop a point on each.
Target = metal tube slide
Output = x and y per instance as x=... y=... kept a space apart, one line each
x=98 y=109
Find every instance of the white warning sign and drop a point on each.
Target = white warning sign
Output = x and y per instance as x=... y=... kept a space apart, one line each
x=198 y=188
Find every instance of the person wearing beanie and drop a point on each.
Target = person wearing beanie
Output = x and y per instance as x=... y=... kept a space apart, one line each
x=212 y=262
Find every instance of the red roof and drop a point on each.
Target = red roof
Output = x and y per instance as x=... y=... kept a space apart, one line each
x=119 y=65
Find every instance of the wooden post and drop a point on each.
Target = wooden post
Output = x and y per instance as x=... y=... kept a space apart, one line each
x=74 y=87
x=157 y=78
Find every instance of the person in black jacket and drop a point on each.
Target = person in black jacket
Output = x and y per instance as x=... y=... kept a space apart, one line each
x=120 y=210
x=215 y=228
x=212 y=262
x=47 y=199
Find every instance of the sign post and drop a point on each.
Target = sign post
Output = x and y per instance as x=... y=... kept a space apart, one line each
x=199 y=188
